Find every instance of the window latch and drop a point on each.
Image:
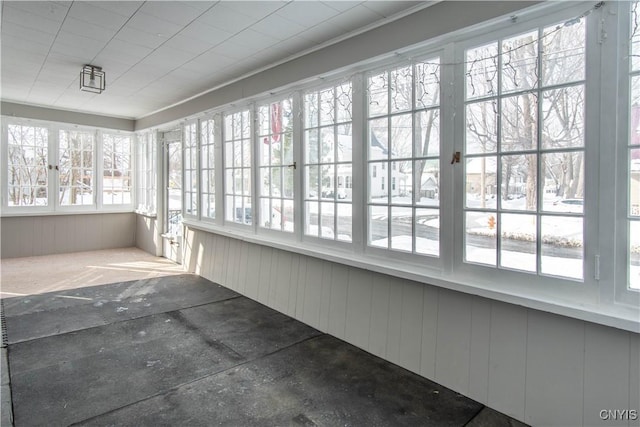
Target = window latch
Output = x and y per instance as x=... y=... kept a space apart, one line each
x=293 y=165
x=455 y=158
x=50 y=167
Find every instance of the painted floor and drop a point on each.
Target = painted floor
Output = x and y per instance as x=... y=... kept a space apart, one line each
x=181 y=351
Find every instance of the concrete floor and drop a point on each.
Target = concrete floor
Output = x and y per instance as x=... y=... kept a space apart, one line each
x=179 y=350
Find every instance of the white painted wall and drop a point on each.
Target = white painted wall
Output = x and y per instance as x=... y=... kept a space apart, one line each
x=54 y=234
x=540 y=368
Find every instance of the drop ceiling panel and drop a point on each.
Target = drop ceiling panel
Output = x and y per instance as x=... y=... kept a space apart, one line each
x=171 y=12
x=157 y=53
x=222 y=17
x=30 y=20
x=93 y=14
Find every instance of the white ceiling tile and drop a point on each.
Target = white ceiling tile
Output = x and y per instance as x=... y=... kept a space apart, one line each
x=356 y=17
x=307 y=13
x=390 y=8
x=20 y=43
x=230 y=49
x=171 y=12
x=10 y=54
x=88 y=12
x=253 y=41
x=89 y=46
x=11 y=14
x=126 y=50
x=85 y=29
x=341 y=5
x=142 y=38
x=206 y=33
x=166 y=59
x=278 y=27
x=124 y=8
x=188 y=44
x=255 y=9
x=34 y=35
x=151 y=24
x=220 y=16
x=55 y=11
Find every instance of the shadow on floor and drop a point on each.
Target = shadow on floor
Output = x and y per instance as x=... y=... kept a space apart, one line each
x=181 y=350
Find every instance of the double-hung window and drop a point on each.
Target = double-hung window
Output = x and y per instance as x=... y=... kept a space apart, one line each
x=403 y=158
x=28 y=165
x=328 y=160
x=190 y=180
x=116 y=170
x=208 y=167
x=50 y=167
x=146 y=173
x=275 y=165
x=524 y=152
x=238 y=167
x=76 y=172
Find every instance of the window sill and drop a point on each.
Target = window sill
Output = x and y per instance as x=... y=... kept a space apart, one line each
x=145 y=214
x=613 y=315
x=8 y=213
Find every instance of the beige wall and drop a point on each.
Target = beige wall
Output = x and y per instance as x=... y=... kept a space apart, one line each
x=537 y=367
x=53 y=234
x=147 y=235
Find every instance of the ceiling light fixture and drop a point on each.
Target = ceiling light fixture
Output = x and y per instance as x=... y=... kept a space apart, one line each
x=92 y=79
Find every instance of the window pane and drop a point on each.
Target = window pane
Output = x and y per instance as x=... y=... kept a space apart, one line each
x=428 y=190
x=27 y=173
x=378 y=91
x=481 y=72
x=311 y=223
x=378 y=186
x=311 y=110
x=401 y=132
x=564 y=182
x=327 y=107
x=563 y=117
x=427 y=225
x=518 y=242
x=427 y=133
x=634 y=254
x=345 y=145
x=345 y=189
x=519 y=122
x=401 y=182
x=428 y=83
x=481 y=129
x=76 y=182
x=378 y=139
x=634 y=131
x=519 y=182
x=401 y=89
x=562 y=250
x=563 y=53
x=344 y=102
x=327 y=229
x=520 y=62
x=480 y=237
x=312 y=182
x=634 y=182
x=481 y=184
x=379 y=226
x=344 y=221
x=327 y=145
x=401 y=229
x=311 y=145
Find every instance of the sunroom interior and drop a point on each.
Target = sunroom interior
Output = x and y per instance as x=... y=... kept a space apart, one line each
x=450 y=186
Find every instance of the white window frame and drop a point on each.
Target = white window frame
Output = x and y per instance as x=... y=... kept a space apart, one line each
x=355 y=165
x=292 y=165
x=54 y=206
x=620 y=52
x=251 y=168
x=600 y=296
x=191 y=157
x=146 y=181
x=132 y=167
x=384 y=174
x=212 y=144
